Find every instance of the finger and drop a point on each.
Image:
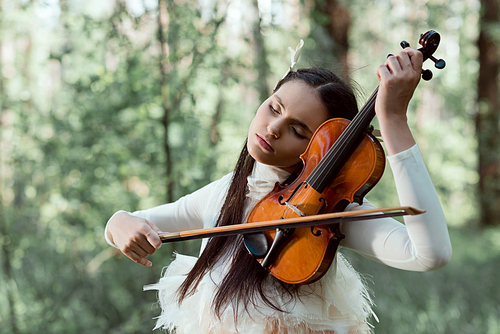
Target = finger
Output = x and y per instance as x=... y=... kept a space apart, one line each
x=413 y=65
x=138 y=259
x=144 y=252
x=416 y=58
x=393 y=64
x=147 y=238
x=143 y=247
x=404 y=60
x=153 y=240
x=139 y=244
x=152 y=236
x=401 y=67
x=383 y=72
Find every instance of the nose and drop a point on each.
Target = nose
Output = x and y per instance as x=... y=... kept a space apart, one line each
x=273 y=129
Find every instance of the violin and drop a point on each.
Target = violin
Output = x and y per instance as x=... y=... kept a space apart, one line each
x=342 y=163
x=294 y=230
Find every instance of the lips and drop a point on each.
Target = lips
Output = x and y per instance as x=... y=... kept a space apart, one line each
x=264 y=143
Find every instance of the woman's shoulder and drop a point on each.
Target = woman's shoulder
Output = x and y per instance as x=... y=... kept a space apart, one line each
x=212 y=193
x=219 y=184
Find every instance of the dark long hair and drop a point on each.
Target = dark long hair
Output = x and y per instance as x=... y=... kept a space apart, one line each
x=245 y=281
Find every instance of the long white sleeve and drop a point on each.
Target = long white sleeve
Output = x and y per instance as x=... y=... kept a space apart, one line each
x=201 y=208
x=422 y=243
x=194 y=211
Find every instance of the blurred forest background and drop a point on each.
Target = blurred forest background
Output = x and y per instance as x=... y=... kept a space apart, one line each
x=128 y=104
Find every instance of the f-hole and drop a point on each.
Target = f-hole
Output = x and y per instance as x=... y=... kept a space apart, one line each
x=280 y=199
x=314 y=232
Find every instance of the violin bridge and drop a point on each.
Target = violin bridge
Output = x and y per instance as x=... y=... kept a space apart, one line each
x=295 y=209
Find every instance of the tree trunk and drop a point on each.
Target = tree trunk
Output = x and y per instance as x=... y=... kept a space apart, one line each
x=214 y=131
x=163 y=63
x=6 y=245
x=261 y=56
x=337 y=21
x=487 y=117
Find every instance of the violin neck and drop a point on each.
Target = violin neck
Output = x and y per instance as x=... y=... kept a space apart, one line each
x=339 y=153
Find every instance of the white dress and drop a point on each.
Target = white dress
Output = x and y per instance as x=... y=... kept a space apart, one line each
x=337 y=303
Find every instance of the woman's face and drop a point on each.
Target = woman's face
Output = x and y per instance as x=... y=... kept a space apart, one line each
x=284 y=124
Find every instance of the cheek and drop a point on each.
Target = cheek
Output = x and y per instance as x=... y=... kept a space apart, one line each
x=302 y=150
x=254 y=127
x=250 y=128
x=300 y=144
x=296 y=148
x=257 y=120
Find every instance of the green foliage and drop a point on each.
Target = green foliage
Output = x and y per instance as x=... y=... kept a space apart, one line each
x=462 y=297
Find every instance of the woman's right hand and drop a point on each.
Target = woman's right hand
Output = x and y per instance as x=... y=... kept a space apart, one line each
x=135 y=237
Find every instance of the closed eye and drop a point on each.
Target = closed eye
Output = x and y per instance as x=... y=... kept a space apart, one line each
x=297 y=133
x=301 y=127
x=273 y=110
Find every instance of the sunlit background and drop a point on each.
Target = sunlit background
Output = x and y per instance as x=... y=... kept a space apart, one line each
x=128 y=104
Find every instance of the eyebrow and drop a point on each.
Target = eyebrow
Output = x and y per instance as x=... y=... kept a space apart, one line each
x=302 y=124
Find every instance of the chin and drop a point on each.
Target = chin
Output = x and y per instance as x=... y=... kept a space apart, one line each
x=293 y=168
x=256 y=153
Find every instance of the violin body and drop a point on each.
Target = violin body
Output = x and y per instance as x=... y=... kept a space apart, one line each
x=308 y=252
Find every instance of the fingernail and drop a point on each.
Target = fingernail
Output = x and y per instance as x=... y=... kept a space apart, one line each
x=390 y=55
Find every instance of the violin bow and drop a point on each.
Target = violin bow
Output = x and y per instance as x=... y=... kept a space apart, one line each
x=321 y=219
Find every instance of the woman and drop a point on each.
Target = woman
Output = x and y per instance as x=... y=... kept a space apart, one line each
x=226 y=290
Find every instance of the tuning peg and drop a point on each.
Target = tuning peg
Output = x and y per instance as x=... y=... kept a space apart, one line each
x=439 y=63
x=426 y=75
x=404 y=44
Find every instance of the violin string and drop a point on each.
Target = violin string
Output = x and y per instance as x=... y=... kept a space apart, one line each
x=344 y=140
x=339 y=146
x=306 y=195
x=303 y=196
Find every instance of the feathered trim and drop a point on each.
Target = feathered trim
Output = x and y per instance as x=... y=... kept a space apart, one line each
x=338 y=303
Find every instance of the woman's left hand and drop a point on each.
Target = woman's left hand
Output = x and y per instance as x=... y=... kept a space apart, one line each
x=398 y=76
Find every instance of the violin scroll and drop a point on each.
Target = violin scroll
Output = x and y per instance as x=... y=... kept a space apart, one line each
x=430 y=42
